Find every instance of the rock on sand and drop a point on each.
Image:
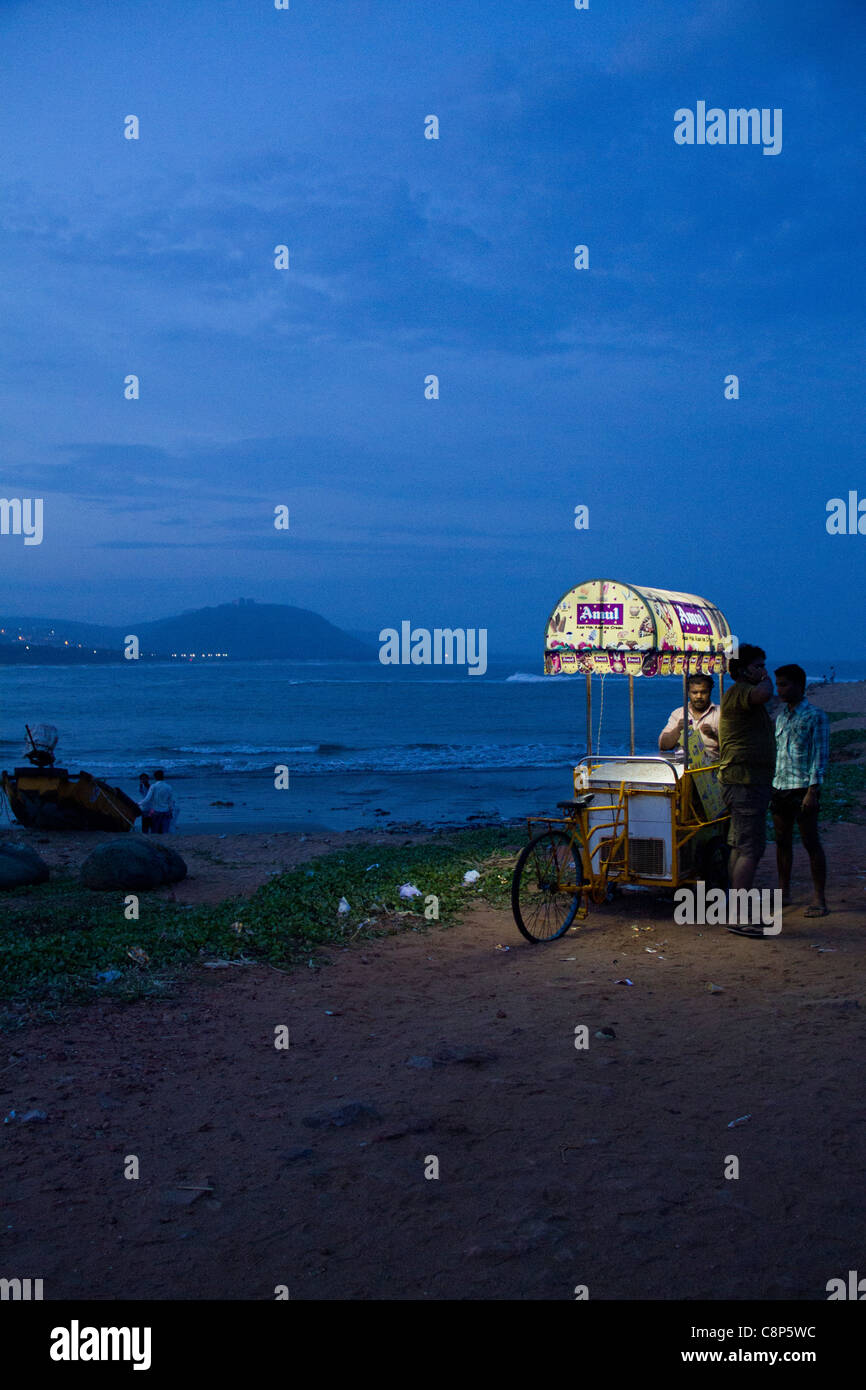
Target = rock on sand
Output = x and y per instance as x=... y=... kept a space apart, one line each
x=20 y=866
x=133 y=862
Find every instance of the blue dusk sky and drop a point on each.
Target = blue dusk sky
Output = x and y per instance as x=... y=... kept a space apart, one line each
x=453 y=257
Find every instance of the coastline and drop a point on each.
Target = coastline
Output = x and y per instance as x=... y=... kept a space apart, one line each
x=331 y=811
x=341 y=803
x=337 y=803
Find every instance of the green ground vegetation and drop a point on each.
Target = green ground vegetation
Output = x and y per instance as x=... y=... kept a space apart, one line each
x=57 y=938
x=842 y=739
x=845 y=783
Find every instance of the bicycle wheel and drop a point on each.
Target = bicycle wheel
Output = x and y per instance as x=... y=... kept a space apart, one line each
x=546 y=886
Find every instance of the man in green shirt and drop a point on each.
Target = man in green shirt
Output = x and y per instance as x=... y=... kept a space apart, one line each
x=748 y=761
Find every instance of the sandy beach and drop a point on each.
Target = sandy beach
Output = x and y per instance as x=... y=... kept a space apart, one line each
x=557 y=1166
x=842 y=697
x=219 y=865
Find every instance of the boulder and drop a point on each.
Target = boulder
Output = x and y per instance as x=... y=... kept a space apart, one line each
x=174 y=864
x=134 y=862
x=20 y=866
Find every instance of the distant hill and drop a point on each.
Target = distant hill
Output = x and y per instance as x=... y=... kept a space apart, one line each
x=369 y=639
x=58 y=631
x=250 y=631
x=245 y=630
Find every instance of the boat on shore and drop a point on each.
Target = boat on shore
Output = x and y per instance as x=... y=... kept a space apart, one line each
x=45 y=797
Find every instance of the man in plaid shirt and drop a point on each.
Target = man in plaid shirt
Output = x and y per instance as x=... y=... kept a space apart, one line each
x=802 y=754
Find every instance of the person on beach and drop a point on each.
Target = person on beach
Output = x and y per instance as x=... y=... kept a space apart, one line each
x=159 y=804
x=748 y=764
x=143 y=788
x=703 y=716
x=802 y=754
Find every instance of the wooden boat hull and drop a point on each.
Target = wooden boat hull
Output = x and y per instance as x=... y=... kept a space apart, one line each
x=52 y=799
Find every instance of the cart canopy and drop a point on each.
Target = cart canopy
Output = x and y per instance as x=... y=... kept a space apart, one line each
x=603 y=625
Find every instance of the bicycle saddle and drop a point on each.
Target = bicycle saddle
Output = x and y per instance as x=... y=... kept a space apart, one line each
x=578 y=803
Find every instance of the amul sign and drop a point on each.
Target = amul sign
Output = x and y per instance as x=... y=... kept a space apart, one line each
x=599 y=614
x=693 y=619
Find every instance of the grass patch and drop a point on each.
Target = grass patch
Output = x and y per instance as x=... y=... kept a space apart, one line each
x=845 y=738
x=837 y=714
x=843 y=792
x=58 y=936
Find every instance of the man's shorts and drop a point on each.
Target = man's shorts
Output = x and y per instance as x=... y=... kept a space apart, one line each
x=748 y=807
x=787 y=806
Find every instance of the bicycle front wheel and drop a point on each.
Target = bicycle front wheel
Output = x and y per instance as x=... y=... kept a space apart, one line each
x=546 y=886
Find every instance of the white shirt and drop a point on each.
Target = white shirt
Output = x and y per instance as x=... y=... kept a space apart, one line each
x=160 y=797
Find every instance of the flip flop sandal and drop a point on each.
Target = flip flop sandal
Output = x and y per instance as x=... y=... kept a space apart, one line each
x=816 y=911
x=746 y=931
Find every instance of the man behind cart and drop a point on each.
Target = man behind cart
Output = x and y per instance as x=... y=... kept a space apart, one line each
x=748 y=763
x=703 y=716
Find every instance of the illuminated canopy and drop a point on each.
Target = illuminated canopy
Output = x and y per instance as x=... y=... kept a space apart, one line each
x=605 y=626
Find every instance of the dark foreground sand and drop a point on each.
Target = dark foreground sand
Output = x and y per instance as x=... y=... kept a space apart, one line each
x=556 y=1166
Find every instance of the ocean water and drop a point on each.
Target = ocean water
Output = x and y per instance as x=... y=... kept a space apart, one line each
x=364 y=744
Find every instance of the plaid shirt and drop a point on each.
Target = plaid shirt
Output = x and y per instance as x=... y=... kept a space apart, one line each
x=802 y=746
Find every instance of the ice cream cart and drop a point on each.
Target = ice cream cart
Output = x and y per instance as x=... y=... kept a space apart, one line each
x=648 y=820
